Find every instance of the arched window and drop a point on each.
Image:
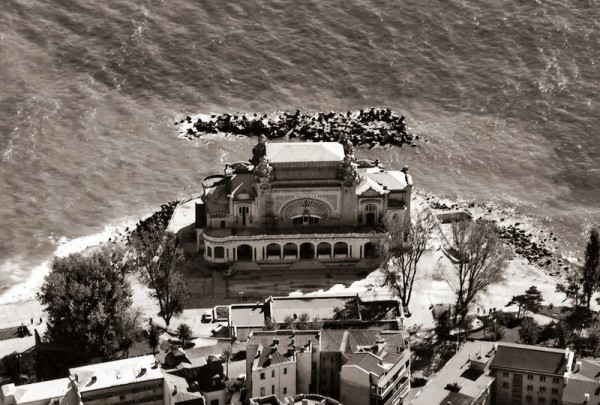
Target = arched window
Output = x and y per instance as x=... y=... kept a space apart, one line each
x=244 y=253
x=290 y=250
x=324 y=249
x=370 y=217
x=340 y=249
x=273 y=250
x=208 y=251
x=305 y=208
x=219 y=252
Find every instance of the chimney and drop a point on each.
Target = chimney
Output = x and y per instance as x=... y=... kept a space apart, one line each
x=587 y=397
x=76 y=377
x=94 y=379
x=175 y=390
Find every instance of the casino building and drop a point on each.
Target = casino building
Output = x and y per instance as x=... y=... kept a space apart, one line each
x=298 y=201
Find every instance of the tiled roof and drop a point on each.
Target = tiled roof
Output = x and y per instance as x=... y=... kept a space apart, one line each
x=367 y=183
x=533 y=359
x=333 y=340
x=270 y=356
x=367 y=361
x=279 y=352
x=589 y=369
x=393 y=179
x=302 y=152
x=575 y=390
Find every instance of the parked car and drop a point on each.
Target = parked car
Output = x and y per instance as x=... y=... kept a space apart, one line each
x=207 y=317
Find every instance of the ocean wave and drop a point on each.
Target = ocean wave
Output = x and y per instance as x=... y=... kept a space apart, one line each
x=26 y=290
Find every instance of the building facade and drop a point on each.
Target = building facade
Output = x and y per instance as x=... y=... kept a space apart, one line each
x=532 y=375
x=307 y=201
x=330 y=363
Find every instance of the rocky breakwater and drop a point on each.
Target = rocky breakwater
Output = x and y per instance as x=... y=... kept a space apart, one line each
x=537 y=246
x=368 y=127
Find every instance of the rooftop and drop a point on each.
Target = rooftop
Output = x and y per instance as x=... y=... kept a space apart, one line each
x=575 y=392
x=319 y=307
x=368 y=362
x=42 y=391
x=534 y=359
x=247 y=315
x=304 y=152
x=115 y=373
x=458 y=370
x=275 y=346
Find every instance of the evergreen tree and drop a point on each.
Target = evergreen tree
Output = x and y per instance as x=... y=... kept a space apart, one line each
x=591 y=267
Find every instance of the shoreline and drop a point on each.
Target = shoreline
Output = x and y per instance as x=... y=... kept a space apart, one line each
x=18 y=303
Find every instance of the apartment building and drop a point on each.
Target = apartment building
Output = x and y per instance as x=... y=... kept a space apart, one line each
x=530 y=375
x=329 y=363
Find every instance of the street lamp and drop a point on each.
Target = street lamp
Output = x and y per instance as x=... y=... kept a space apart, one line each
x=20 y=370
x=241 y=294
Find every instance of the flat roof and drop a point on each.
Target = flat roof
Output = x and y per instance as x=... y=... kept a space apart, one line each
x=247 y=315
x=304 y=152
x=41 y=391
x=119 y=372
x=321 y=307
x=457 y=370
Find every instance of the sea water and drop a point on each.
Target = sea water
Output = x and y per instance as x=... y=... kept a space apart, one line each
x=506 y=93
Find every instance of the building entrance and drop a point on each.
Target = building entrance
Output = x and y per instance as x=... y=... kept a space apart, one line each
x=307 y=251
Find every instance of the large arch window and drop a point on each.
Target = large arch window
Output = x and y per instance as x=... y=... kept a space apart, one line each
x=305 y=208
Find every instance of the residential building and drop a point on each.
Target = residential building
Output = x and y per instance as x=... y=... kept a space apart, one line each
x=464 y=379
x=527 y=374
x=583 y=386
x=376 y=374
x=189 y=377
x=127 y=381
x=62 y=391
x=328 y=363
x=305 y=202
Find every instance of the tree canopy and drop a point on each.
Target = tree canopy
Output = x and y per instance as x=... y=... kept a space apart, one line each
x=590 y=273
x=480 y=259
x=530 y=301
x=88 y=304
x=157 y=259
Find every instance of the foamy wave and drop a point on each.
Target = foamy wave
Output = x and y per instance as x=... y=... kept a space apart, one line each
x=26 y=291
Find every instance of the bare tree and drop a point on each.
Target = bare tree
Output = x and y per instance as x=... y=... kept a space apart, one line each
x=400 y=252
x=480 y=260
x=157 y=259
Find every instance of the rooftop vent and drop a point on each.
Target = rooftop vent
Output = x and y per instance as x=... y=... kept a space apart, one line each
x=93 y=380
x=275 y=341
x=454 y=387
